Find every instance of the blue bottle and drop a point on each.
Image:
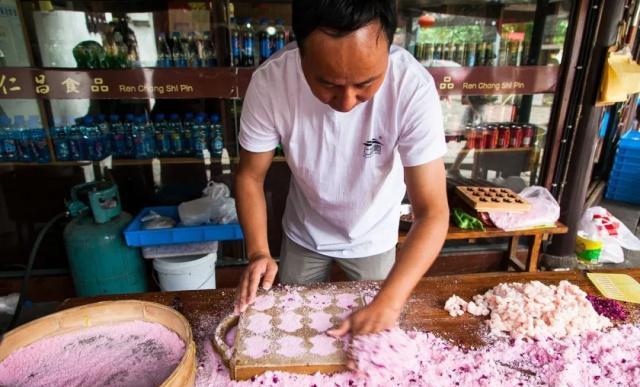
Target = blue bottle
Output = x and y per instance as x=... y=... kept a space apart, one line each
x=162 y=136
x=128 y=136
x=21 y=136
x=248 y=35
x=116 y=137
x=187 y=135
x=280 y=38
x=60 y=140
x=177 y=51
x=74 y=134
x=175 y=130
x=236 y=44
x=199 y=135
x=88 y=145
x=143 y=139
x=165 y=58
x=38 y=141
x=105 y=134
x=7 y=142
x=217 y=138
x=264 y=40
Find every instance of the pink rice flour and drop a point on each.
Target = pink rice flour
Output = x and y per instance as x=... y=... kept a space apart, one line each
x=398 y=358
x=135 y=353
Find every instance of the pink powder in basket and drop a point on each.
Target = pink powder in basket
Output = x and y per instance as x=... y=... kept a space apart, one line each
x=259 y=323
x=291 y=346
x=290 y=322
x=256 y=346
x=135 y=353
x=320 y=321
x=264 y=302
x=323 y=345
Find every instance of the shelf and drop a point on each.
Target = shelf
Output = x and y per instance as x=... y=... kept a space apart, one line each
x=500 y=150
x=232 y=82
x=132 y=162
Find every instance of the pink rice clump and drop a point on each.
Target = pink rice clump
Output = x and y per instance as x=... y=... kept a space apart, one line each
x=397 y=358
x=135 y=353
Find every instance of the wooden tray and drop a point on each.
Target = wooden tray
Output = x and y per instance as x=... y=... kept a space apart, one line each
x=494 y=199
x=242 y=366
x=109 y=312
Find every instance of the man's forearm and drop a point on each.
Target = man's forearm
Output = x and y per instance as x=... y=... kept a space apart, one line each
x=252 y=214
x=418 y=252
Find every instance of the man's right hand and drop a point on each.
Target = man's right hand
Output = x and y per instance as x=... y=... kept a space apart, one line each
x=261 y=267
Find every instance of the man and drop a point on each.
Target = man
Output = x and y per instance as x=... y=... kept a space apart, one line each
x=358 y=119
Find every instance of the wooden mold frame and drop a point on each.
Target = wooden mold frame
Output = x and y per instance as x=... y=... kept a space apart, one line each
x=493 y=199
x=243 y=367
x=104 y=313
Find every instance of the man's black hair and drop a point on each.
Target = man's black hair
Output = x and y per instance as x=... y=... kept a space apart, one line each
x=341 y=17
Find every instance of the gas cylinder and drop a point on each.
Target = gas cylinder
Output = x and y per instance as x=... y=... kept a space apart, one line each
x=101 y=262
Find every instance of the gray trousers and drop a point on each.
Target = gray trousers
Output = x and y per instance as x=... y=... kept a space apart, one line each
x=299 y=265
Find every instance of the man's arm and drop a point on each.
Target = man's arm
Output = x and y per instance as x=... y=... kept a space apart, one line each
x=252 y=213
x=426 y=185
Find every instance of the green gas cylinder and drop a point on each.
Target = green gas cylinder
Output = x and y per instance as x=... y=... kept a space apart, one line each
x=101 y=262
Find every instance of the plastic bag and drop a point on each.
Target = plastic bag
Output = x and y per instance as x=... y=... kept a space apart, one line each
x=598 y=223
x=214 y=207
x=153 y=220
x=545 y=210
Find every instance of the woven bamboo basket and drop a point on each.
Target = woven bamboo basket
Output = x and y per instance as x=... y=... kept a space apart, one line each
x=109 y=312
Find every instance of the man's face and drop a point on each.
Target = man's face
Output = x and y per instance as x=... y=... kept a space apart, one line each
x=344 y=71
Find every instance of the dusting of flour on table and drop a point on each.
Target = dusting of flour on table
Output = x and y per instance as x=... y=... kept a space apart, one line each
x=263 y=302
x=256 y=347
x=259 y=323
x=291 y=346
x=320 y=321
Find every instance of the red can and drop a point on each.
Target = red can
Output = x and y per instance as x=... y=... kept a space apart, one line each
x=470 y=134
x=527 y=138
x=504 y=136
x=481 y=137
x=517 y=135
x=494 y=135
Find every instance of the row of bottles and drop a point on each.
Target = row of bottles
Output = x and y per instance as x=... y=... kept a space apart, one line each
x=23 y=140
x=192 y=50
x=508 y=53
x=250 y=47
x=136 y=137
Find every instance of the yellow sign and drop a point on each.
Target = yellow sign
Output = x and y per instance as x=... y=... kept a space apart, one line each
x=6 y=89
x=71 y=85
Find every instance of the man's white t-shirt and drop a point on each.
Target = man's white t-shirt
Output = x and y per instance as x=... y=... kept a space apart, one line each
x=347 y=168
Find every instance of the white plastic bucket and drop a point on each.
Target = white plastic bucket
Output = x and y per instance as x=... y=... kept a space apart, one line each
x=186 y=273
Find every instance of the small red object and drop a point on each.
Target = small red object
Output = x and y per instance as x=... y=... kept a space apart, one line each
x=470 y=134
x=426 y=21
x=516 y=137
x=494 y=135
x=504 y=136
x=527 y=138
x=481 y=137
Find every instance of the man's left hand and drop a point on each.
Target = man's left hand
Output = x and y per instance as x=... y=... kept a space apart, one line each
x=373 y=318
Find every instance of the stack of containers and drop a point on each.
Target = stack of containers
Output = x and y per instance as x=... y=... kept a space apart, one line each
x=623 y=181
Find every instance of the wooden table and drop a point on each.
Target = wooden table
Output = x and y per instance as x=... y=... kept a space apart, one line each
x=423 y=312
x=537 y=236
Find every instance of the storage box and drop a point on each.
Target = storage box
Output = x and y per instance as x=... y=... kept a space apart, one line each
x=136 y=236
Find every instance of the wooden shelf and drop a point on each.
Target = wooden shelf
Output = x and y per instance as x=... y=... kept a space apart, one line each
x=131 y=162
x=501 y=150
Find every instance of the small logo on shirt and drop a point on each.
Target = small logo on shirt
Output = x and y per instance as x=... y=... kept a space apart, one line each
x=372 y=147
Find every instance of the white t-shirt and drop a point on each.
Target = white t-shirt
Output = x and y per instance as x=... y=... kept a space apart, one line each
x=347 y=168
